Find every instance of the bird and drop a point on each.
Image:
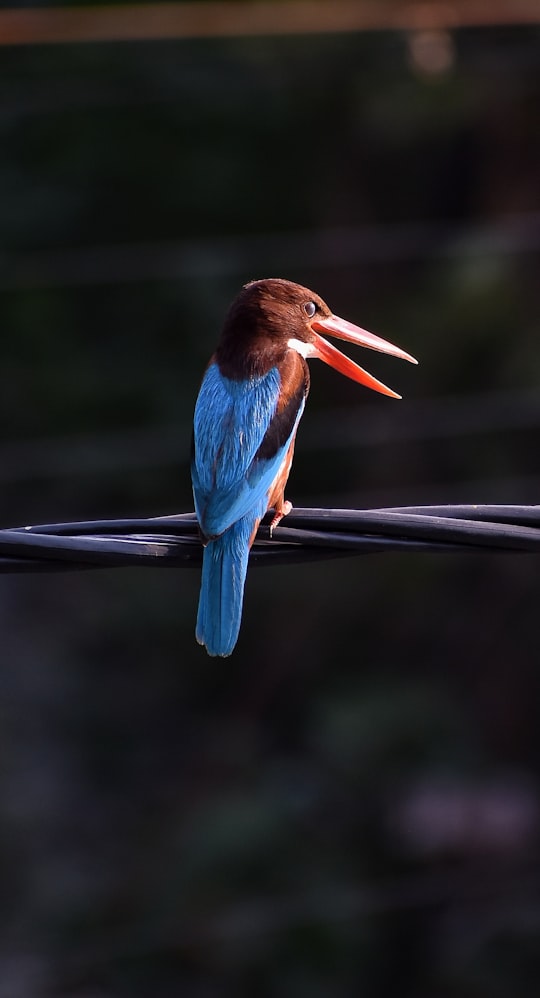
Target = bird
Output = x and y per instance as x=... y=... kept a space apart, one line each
x=247 y=412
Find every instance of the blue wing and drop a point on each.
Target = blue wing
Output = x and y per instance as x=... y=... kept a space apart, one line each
x=232 y=469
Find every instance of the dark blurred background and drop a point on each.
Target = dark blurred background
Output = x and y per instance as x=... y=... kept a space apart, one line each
x=350 y=804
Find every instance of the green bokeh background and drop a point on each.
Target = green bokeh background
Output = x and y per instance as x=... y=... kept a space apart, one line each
x=350 y=804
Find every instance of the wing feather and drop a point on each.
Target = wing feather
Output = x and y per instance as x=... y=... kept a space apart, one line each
x=240 y=439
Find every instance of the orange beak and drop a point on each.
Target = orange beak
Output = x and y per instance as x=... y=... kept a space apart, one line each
x=344 y=330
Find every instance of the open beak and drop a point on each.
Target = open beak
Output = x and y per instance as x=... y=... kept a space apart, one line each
x=344 y=330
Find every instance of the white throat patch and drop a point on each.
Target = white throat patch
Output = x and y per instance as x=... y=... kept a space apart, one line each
x=304 y=349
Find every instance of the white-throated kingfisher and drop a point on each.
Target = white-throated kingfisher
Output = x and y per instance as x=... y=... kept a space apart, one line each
x=246 y=416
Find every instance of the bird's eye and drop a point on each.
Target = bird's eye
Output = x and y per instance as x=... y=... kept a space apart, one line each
x=310 y=308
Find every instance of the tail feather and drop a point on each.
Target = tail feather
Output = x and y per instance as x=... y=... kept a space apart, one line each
x=225 y=563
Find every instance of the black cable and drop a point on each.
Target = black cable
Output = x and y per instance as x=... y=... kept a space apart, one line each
x=304 y=535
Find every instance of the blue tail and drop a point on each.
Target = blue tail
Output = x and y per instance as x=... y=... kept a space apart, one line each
x=225 y=563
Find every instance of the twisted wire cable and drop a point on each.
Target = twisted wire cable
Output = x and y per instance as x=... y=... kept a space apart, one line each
x=304 y=535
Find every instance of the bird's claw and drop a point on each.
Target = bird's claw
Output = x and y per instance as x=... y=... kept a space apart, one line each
x=279 y=514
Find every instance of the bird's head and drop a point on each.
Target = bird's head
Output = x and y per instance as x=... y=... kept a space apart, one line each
x=270 y=317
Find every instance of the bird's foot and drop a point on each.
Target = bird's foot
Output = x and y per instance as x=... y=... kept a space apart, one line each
x=283 y=510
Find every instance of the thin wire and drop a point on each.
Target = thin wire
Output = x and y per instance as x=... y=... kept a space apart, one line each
x=329 y=248
x=305 y=535
x=90 y=454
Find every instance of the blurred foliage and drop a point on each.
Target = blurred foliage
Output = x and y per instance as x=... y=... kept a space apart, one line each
x=174 y=825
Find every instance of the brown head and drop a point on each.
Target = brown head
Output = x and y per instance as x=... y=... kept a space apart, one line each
x=270 y=317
